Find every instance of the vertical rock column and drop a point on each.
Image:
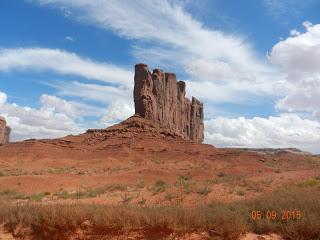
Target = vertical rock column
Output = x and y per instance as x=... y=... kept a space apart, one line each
x=160 y=98
x=197 y=126
x=144 y=99
x=4 y=131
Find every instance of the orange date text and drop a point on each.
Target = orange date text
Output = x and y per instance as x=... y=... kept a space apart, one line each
x=276 y=215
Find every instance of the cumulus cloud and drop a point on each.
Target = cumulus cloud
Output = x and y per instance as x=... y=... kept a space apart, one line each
x=307 y=24
x=294 y=32
x=298 y=58
x=3 y=98
x=45 y=122
x=58 y=104
x=117 y=112
x=298 y=54
x=286 y=130
x=62 y=62
x=57 y=117
x=117 y=100
x=73 y=109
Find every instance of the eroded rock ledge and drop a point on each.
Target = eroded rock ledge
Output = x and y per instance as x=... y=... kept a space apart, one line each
x=159 y=97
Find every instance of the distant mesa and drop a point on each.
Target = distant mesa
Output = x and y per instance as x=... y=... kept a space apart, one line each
x=4 y=131
x=159 y=97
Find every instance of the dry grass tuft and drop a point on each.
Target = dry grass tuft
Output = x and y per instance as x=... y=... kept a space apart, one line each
x=219 y=220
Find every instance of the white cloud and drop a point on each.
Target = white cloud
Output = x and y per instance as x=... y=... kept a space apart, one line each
x=178 y=40
x=66 y=13
x=286 y=130
x=307 y=24
x=73 y=109
x=58 y=117
x=119 y=80
x=294 y=33
x=3 y=98
x=94 y=92
x=69 y=39
x=117 y=112
x=277 y=8
x=62 y=62
x=45 y=122
x=298 y=57
x=283 y=10
x=58 y=104
x=118 y=100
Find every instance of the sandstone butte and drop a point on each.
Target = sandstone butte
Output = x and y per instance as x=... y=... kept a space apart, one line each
x=165 y=121
x=159 y=97
x=4 y=131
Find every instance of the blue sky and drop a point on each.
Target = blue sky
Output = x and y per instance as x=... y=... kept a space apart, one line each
x=66 y=66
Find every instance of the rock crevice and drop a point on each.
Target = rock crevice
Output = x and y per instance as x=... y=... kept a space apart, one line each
x=159 y=97
x=4 y=131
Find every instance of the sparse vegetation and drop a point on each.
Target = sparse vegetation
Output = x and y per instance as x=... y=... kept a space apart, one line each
x=63 y=170
x=38 y=196
x=185 y=183
x=13 y=172
x=64 y=194
x=140 y=184
x=90 y=192
x=115 y=187
x=126 y=198
x=38 y=172
x=157 y=161
x=11 y=194
x=142 y=202
x=240 y=192
x=313 y=160
x=219 y=220
x=159 y=186
x=169 y=196
x=309 y=182
x=267 y=181
x=203 y=190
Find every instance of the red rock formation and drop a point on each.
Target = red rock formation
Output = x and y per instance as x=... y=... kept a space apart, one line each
x=160 y=98
x=4 y=131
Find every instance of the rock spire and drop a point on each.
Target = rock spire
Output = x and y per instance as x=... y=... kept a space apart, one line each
x=159 y=97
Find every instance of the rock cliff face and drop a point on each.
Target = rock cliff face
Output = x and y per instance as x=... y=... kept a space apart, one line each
x=160 y=98
x=4 y=131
